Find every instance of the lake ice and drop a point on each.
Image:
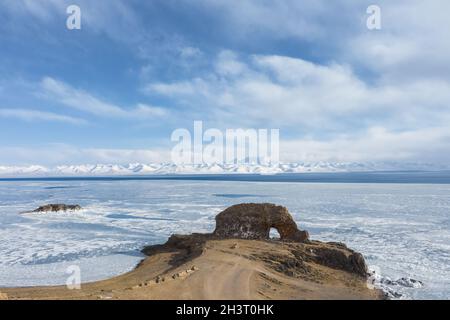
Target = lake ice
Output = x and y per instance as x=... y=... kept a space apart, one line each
x=403 y=230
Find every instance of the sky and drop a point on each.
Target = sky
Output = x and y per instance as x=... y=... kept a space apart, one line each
x=114 y=91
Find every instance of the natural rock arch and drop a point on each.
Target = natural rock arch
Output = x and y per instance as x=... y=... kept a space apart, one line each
x=274 y=234
x=254 y=221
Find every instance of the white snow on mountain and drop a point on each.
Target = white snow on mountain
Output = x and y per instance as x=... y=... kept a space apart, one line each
x=173 y=169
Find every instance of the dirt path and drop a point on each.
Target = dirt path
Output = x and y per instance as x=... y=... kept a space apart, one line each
x=230 y=280
x=225 y=270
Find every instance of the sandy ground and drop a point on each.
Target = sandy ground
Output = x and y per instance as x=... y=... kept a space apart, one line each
x=221 y=269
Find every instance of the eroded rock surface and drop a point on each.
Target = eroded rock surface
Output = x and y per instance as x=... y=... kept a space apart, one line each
x=254 y=221
x=338 y=256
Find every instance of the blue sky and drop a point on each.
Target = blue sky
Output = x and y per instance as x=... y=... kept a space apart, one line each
x=114 y=91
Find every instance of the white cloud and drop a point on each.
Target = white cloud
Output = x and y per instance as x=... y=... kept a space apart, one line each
x=281 y=19
x=190 y=52
x=113 y=18
x=62 y=154
x=42 y=10
x=36 y=115
x=82 y=100
x=79 y=99
x=411 y=44
x=376 y=144
x=147 y=111
x=385 y=94
x=287 y=91
x=328 y=110
x=123 y=155
x=228 y=64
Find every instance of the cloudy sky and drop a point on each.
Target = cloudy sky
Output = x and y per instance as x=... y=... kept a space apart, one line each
x=114 y=91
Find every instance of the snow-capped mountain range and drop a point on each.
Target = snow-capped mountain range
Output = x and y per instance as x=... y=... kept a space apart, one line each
x=173 y=169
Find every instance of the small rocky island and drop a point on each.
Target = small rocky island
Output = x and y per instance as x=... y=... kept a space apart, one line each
x=57 y=208
x=236 y=261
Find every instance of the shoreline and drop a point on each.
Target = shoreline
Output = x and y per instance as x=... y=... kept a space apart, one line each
x=378 y=177
x=238 y=261
x=227 y=269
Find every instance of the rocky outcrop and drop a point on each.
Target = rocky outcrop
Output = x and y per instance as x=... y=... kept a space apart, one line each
x=254 y=221
x=338 y=256
x=202 y=266
x=303 y=256
x=57 y=207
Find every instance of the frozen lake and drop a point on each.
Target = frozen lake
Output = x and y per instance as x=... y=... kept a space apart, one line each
x=402 y=229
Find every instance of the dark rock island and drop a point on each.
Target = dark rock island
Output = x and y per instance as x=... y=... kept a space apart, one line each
x=57 y=208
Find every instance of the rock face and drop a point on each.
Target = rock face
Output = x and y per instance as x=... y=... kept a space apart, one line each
x=254 y=221
x=338 y=256
x=57 y=207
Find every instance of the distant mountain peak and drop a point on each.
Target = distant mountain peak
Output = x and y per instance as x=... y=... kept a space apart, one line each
x=173 y=169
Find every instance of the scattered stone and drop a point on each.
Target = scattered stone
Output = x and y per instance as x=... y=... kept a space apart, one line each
x=105 y=295
x=410 y=283
x=290 y=266
x=3 y=296
x=183 y=273
x=403 y=282
x=392 y=294
x=234 y=246
x=194 y=268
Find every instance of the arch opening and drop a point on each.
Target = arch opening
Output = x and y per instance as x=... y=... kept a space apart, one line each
x=274 y=234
